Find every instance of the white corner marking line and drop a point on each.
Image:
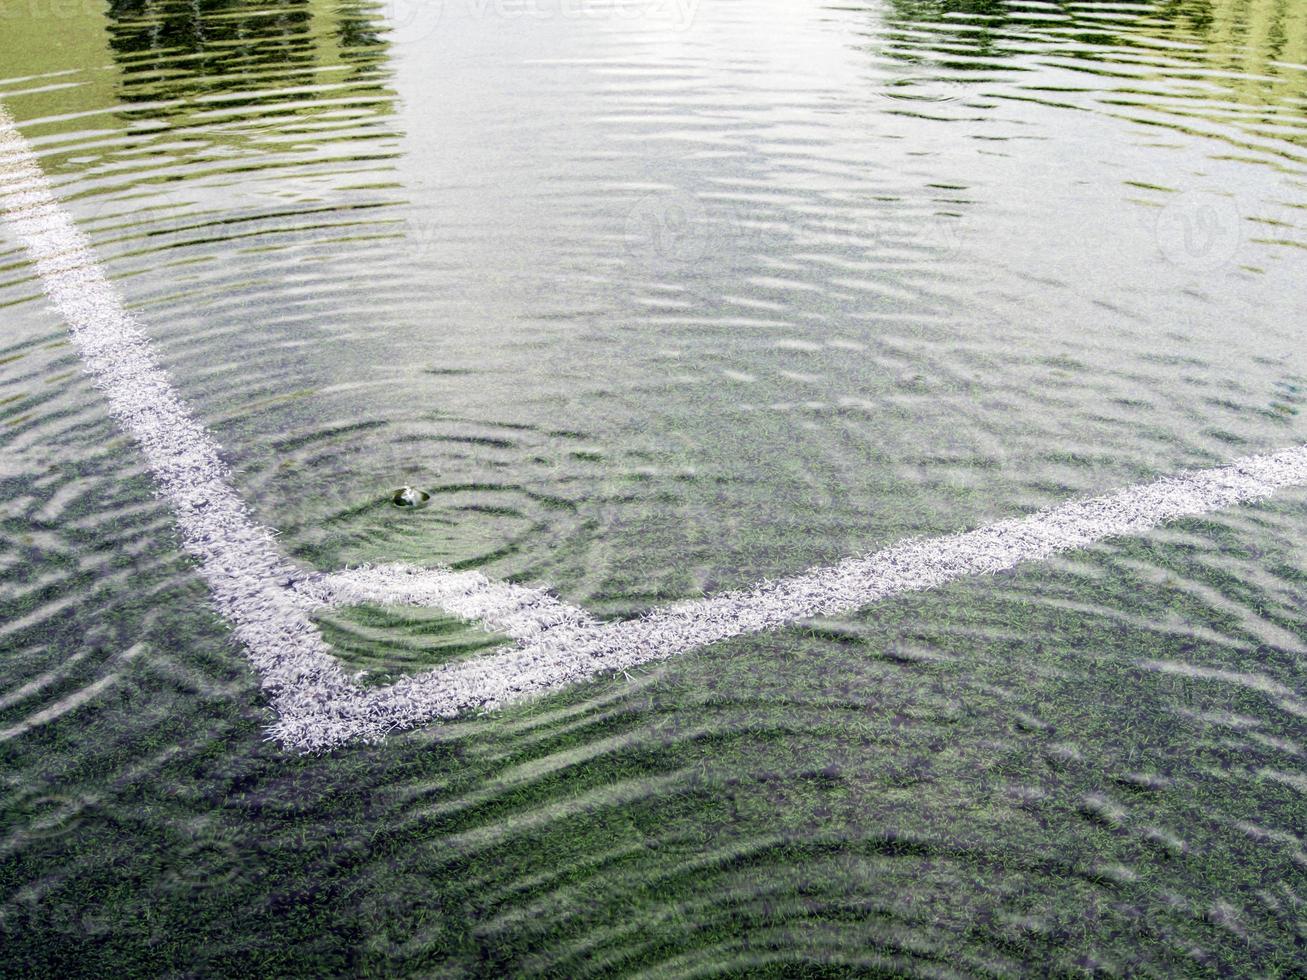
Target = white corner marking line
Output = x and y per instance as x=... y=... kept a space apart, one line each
x=268 y=599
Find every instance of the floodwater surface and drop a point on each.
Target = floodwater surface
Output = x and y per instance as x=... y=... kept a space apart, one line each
x=656 y=298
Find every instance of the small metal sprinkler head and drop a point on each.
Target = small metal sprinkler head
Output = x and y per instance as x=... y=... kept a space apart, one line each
x=410 y=497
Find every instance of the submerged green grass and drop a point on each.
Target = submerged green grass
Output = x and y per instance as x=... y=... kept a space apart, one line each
x=978 y=780
x=386 y=643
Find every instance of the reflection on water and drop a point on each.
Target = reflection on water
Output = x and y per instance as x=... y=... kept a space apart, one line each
x=1230 y=70
x=653 y=300
x=223 y=44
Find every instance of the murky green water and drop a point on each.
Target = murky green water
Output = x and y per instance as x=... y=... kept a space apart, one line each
x=657 y=297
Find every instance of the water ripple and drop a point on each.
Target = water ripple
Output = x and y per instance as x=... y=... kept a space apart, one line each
x=656 y=300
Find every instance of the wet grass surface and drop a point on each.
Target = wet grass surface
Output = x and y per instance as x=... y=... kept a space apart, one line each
x=388 y=643
x=981 y=780
x=650 y=314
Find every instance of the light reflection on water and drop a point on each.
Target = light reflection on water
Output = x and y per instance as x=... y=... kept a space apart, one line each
x=654 y=299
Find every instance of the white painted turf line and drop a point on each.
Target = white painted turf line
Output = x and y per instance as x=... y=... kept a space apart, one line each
x=267 y=599
x=264 y=596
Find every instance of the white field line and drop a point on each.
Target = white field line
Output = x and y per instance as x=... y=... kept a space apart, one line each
x=237 y=557
x=267 y=599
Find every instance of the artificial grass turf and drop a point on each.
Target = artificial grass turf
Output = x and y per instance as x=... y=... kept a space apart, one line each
x=965 y=780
